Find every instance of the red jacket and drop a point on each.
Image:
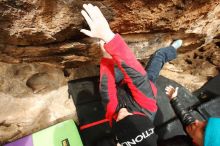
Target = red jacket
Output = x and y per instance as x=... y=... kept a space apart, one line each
x=140 y=90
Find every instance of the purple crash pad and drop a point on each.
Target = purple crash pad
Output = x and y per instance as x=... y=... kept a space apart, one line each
x=25 y=141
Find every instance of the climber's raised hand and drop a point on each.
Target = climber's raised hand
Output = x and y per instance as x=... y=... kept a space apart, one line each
x=99 y=27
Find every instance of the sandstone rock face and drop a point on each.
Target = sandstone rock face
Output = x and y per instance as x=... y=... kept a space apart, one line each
x=41 y=48
x=28 y=22
x=33 y=96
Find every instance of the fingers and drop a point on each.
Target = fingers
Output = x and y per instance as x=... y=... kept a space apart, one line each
x=90 y=10
x=190 y=128
x=167 y=93
x=176 y=89
x=98 y=12
x=169 y=88
x=171 y=91
x=98 y=24
x=87 y=9
x=88 y=19
x=86 y=32
x=93 y=11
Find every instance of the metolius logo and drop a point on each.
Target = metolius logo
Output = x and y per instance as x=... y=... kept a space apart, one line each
x=139 y=138
x=65 y=142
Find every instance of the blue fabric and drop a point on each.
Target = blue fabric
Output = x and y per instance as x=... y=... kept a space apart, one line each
x=159 y=58
x=212 y=132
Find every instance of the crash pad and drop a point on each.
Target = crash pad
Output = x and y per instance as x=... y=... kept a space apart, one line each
x=210 y=108
x=86 y=97
x=90 y=111
x=209 y=90
x=62 y=134
x=85 y=94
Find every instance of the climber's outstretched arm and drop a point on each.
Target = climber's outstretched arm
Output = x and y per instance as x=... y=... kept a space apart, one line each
x=134 y=74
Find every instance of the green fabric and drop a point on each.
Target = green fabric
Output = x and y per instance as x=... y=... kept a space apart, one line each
x=57 y=134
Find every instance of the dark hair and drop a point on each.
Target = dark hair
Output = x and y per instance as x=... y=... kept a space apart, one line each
x=180 y=140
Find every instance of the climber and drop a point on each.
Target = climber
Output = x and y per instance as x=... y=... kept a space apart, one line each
x=128 y=92
x=202 y=133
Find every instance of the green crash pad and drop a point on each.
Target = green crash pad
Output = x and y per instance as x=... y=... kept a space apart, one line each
x=62 y=134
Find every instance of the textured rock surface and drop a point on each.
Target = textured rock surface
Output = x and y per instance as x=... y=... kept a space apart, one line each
x=32 y=96
x=41 y=48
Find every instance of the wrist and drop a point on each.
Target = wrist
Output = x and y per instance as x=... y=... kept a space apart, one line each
x=173 y=98
x=107 y=56
x=108 y=36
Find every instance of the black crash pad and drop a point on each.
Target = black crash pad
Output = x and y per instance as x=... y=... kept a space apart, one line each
x=86 y=97
x=85 y=94
x=84 y=90
x=209 y=90
x=212 y=87
x=210 y=108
